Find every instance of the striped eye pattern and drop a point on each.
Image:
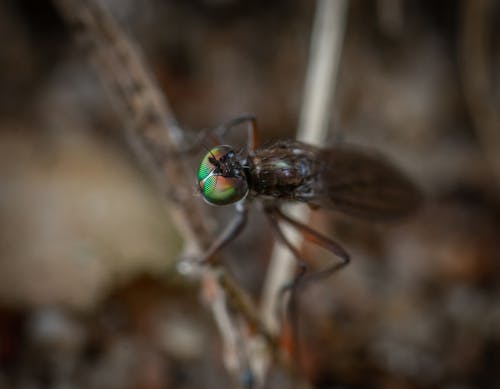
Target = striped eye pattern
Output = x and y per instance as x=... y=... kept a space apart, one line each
x=220 y=178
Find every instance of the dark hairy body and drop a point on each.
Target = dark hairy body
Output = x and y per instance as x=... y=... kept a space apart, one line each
x=347 y=179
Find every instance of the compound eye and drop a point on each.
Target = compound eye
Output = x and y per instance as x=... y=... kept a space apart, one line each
x=219 y=190
x=215 y=188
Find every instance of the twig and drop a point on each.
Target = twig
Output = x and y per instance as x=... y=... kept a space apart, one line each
x=157 y=137
x=326 y=47
x=142 y=107
x=235 y=358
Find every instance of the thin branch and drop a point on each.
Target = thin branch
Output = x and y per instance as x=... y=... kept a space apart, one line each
x=157 y=138
x=142 y=107
x=326 y=47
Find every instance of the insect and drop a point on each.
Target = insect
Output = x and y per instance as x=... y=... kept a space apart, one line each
x=346 y=179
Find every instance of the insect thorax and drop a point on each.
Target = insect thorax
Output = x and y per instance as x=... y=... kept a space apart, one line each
x=285 y=171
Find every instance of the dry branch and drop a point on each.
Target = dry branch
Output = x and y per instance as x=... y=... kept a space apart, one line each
x=326 y=47
x=157 y=137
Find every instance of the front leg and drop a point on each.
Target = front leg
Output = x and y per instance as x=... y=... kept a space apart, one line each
x=215 y=135
x=252 y=140
x=232 y=230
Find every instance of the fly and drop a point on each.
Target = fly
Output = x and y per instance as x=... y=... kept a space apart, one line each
x=345 y=179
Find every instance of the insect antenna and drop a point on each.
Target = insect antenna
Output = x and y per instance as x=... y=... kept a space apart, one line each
x=214 y=159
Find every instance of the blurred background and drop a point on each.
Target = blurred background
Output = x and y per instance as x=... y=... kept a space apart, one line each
x=89 y=292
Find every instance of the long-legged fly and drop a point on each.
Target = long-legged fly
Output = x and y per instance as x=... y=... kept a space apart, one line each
x=342 y=178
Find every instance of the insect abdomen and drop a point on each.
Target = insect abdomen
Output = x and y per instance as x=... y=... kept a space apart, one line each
x=283 y=171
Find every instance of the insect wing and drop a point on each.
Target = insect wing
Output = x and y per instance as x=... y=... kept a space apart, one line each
x=363 y=185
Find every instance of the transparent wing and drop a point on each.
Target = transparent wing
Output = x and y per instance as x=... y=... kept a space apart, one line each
x=364 y=185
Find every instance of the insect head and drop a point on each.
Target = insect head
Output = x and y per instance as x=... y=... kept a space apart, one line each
x=221 y=178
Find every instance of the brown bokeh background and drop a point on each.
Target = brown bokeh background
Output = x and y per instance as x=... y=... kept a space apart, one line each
x=89 y=292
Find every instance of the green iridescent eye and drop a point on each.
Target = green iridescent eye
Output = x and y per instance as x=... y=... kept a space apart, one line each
x=220 y=178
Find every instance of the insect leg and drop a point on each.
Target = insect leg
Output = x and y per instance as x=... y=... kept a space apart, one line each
x=215 y=134
x=292 y=286
x=198 y=143
x=275 y=215
x=272 y=215
x=230 y=232
x=252 y=142
x=321 y=240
